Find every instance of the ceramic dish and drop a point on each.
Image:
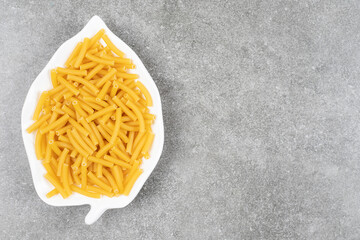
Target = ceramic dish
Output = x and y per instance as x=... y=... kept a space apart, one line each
x=43 y=83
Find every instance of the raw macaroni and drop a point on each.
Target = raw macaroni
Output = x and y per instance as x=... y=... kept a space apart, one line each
x=94 y=127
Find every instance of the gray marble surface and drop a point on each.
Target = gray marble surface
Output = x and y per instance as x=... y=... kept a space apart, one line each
x=261 y=106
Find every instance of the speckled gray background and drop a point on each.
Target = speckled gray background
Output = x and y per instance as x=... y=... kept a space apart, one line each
x=261 y=105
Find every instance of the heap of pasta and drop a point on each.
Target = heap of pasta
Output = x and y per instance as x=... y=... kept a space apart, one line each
x=94 y=127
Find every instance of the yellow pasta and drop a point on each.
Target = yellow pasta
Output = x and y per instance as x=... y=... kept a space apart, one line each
x=136 y=124
x=129 y=91
x=62 y=160
x=121 y=154
x=117 y=125
x=52 y=165
x=99 y=190
x=78 y=127
x=148 y=142
x=117 y=173
x=138 y=148
x=58 y=96
x=127 y=97
x=104 y=90
x=77 y=116
x=55 y=182
x=91 y=167
x=84 y=173
x=82 y=52
x=71 y=180
x=84 y=82
x=121 y=145
x=55 y=90
x=100 y=113
x=138 y=115
x=68 y=110
x=38 y=123
x=112 y=46
x=104 y=150
x=52 y=193
x=49 y=169
x=124 y=108
x=125 y=119
x=55 y=124
x=54 y=147
x=68 y=95
x=58 y=110
x=38 y=146
x=131 y=182
x=62 y=130
x=46 y=110
x=129 y=127
x=76 y=145
x=96 y=37
x=114 y=89
x=76 y=177
x=111 y=126
x=105 y=118
x=117 y=161
x=99 y=169
x=104 y=180
x=51 y=137
x=120 y=68
x=80 y=140
x=119 y=60
x=94 y=71
x=94 y=106
x=132 y=171
x=88 y=65
x=74 y=53
x=103 y=72
x=93 y=128
x=64 y=145
x=105 y=78
x=145 y=92
x=100 y=161
x=138 y=138
x=127 y=75
x=99 y=60
x=53 y=78
x=54 y=115
x=130 y=66
x=85 y=106
x=78 y=109
x=131 y=140
x=98 y=182
x=40 y=105
x=75 y=166
x=65 y=177
x=71 y=71
x=92 y=51
x=111 y=180
x=104 y=132
x=148 y=116
x=83 y=192
x=143 y=103
x=96 y=101
x=97 y=134
x=92 y=135
x=68 y=85
x=73 y=153
x=89 y=142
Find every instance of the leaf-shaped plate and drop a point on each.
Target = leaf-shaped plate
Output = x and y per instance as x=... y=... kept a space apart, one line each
x=43 y=83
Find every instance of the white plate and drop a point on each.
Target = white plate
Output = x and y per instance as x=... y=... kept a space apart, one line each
x=43 y=83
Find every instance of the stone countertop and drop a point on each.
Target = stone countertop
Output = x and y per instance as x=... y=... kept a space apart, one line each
x=261 y=104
